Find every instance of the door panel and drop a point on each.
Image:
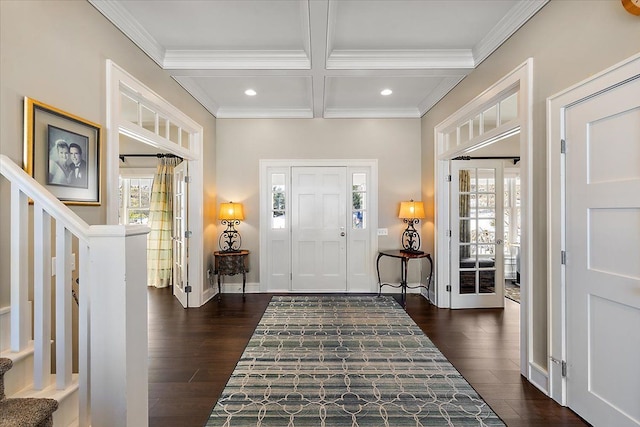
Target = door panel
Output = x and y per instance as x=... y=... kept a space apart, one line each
x=318 y=235
x=603 y=268
x=477 y=234
x=180 y=198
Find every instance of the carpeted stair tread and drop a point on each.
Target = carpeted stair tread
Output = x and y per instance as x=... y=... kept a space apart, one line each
x=26 y=412
x=5 y=365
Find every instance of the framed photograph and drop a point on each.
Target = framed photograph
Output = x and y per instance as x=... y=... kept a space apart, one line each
x=62 y=152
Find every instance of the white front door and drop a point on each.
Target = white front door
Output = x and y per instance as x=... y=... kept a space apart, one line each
x=603 y=256
x=318 y=234
x=180 y=247
x=477 y=224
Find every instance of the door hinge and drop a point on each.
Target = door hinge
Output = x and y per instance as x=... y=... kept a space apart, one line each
x=448 y=178
x=563 y=257
x=187 y=288
x=563 y=146
x=188 y=234
x=187 y=179
x=448 y=288
x=448 y=233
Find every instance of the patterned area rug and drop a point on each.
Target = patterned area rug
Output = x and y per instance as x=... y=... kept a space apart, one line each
x=512 y=292
x=345 y=361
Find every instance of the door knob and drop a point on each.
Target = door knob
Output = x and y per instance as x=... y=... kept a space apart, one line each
x=342 y=234
x=499 y=242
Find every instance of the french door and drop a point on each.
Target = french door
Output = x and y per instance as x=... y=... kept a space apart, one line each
x=319 y=229
x=180 y=247
x=477 y=234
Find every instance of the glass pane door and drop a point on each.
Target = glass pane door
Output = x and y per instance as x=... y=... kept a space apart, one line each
x=477 y=234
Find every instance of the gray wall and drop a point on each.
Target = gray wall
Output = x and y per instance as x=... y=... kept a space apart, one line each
x=241 y=143
x=568 y=41
x=55 y=52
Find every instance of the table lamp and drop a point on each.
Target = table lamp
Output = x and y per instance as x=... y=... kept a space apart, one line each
x=230 y=215
x=410 y=213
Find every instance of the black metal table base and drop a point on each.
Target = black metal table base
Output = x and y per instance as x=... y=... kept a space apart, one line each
x=404 y=261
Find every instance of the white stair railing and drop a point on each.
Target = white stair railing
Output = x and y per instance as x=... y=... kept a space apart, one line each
x=112 y=337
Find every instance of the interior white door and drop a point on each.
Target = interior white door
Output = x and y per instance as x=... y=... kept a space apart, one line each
x=180 y=246
x=603 y=256
x=477 y=234
x=318 y=234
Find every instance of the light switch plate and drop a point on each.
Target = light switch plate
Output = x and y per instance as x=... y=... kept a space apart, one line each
x=383 y=231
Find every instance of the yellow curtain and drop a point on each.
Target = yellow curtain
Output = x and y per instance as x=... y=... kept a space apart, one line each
x=465 y=231
x=159 y=245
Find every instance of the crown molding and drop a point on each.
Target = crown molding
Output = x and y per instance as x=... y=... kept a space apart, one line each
x=372 y=113
x=438 y=93
x=399 y=59
x=266 y=113
x=122 y=19
x=236 y=59
x=517 y=16
x=198 y=94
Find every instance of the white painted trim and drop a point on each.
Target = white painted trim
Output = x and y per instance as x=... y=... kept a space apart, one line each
x=5 y=328
x=118 y=80
x=196 y=91
x=276 y=113
x=509 y=24
x=538 y=376
x=265 y=164
x=556 y=106
x=121 y=18
x=35 y=191
x=439 y=92
x=236 y=59
x=395 y=59
x=520 y=79
x=371 y=113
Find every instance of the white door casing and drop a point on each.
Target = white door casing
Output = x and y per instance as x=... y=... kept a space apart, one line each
x=477 y=278
x=180 y=227
x=121 y=85
x=603 y=256
x=318 y=234
x=558 y=221
x=520 y=80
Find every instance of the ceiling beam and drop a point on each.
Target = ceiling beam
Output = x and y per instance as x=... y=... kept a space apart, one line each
x=318 y=22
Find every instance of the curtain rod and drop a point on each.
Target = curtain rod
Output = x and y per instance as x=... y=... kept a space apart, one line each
x=158 y=155
x=515 y=159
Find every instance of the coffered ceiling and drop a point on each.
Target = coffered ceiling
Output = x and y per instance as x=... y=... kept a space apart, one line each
x=318 y=58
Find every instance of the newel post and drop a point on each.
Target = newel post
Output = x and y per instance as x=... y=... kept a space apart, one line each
x=118 y=349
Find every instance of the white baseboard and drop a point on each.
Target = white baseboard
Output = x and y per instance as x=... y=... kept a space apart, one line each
x=5 y=328
x=236 y=288
x=539 y=377
x=254 y=287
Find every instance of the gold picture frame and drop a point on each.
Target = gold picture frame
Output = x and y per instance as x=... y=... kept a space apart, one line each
x=63 y=153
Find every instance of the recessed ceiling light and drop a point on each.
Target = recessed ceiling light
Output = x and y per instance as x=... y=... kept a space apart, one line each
x=386 y=92
x=250 y=92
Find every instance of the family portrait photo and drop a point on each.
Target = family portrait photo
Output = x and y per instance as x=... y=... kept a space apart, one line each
x=67 y=158
x=62 y=152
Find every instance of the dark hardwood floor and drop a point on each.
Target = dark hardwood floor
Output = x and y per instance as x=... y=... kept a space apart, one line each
x=193 y=352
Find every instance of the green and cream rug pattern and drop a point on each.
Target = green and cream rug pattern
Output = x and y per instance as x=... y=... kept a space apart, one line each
x=345 y=361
